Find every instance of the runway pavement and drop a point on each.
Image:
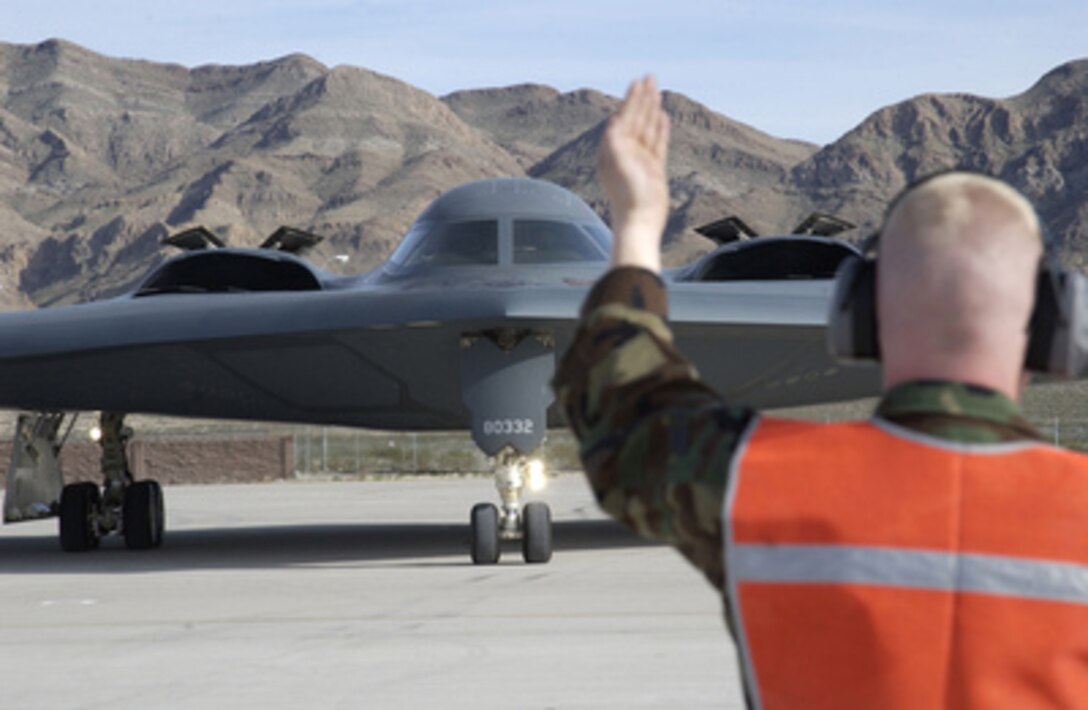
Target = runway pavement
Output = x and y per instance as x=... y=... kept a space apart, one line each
x=357 y=595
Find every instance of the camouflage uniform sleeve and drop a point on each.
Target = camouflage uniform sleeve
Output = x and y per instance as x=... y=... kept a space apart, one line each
x=656 y=443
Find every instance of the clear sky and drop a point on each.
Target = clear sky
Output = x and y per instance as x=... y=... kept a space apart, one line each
x=797 y=69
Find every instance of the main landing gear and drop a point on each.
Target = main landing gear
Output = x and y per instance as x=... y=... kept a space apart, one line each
x=531 y=523
x=133 y=508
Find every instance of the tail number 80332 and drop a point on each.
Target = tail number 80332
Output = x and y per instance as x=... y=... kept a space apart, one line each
x=507 y=426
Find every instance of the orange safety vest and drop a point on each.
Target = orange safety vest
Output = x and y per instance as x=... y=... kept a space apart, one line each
x=871 y=566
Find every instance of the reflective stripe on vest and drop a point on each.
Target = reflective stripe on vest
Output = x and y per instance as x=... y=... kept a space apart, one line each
x=918 y=569
x=869 y=566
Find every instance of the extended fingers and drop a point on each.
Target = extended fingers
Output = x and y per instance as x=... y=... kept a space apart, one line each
x=646 y=102
x=659 y=140
x=625 y=112
x=639 y=129
x=637 y=114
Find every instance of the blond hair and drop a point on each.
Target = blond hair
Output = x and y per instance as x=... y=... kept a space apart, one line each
x=958 y=256
x=949 y=202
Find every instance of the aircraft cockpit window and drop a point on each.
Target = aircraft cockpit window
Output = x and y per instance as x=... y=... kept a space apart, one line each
x=602 y=236
x=539 y=241
x=449 y=244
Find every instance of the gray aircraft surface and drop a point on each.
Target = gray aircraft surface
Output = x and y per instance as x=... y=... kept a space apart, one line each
x=459 y=329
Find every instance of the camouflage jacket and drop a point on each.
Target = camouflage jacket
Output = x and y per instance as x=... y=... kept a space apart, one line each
x=656 y=442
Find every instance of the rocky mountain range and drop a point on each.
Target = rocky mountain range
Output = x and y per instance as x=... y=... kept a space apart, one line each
x=100 y=158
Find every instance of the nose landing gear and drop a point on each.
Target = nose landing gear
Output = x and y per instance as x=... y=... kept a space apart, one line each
x=531 y=523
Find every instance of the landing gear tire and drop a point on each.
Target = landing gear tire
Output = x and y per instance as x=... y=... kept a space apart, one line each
x=536 y=538
x=79 y=505
x=142 y=515
x=485 y=534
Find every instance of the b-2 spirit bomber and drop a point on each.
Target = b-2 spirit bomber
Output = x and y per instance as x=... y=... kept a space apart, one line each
x=459 y=329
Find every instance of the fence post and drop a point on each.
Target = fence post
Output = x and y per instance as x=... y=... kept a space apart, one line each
x=287 y=457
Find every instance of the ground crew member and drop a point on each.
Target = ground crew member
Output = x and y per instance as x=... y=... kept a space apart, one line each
x=934 y=556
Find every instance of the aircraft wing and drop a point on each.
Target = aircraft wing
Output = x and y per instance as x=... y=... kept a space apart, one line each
x=380 y=357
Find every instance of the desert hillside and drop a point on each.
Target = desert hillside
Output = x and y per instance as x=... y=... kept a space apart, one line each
x=100 y=158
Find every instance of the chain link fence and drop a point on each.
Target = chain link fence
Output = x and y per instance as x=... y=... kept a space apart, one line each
x=353 y=451
x=323 y=450
x=333 y=450
x=1063 y=431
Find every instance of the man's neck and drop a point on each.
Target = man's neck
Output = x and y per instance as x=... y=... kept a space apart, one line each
x=996 y=377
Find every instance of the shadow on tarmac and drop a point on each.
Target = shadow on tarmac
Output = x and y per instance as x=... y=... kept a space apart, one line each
x=401 y=545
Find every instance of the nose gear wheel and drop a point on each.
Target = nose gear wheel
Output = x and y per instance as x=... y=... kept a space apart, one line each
x=531 y=524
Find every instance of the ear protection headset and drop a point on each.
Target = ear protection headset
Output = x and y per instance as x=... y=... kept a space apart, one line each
x=1057 y=329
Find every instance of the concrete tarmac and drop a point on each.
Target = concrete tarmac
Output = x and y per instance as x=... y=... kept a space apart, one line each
x=357 y=595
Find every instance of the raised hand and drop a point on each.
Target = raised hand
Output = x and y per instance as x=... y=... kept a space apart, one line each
x=631 y=168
